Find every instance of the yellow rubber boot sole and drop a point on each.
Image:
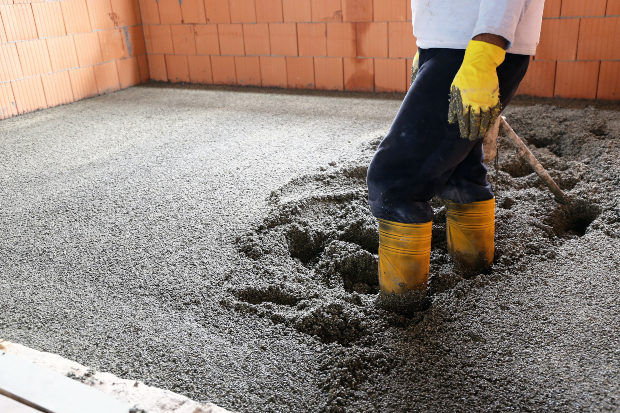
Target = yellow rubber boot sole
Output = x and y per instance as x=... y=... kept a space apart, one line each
x=471 y=235
x=404 y=260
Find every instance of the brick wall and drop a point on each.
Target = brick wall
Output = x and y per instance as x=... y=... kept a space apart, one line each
x=58 y=51
x=579 y=51
x=359 y=45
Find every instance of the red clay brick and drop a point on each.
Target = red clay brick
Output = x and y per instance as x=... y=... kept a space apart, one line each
x=552 y=8
x=577 y=80
x=83 y=82
x=178 y=68
x=128 y=72
x=62 y=53
x=558 y=40
x=328 y=73
x=390 y=10
x=326 y=11
x=599 y=39
x=200 y=69
x=283 y=39
x=359 y=74
x=170 y=12
x=48 y=17
x=207 y=41
x=242 y=11
x=113 y=44
x=312 y=39
x=29 y=94
x=256 y=39
x=34 y=57
x=75 y=14
x=401 y=40
x=136 y=40
x=409 y=13
x=218 y=11
x=19 y=23
x=609 y=81
x=297 y=11
x=157 y=67
x=57 y=88
x=580 y=8
x=88 y=49
x=231 y=39
x=223 y=69
x=106 y=76
x=99 y=12
x=357 y=10
x=390 y=75
x=539 y=79
x=149 y=11
x=372 y=39
x=7 y=101
x=613 y=8
x=300 y=72
x=10 y=67
x=183 y=40
x=143 y=64
x=341 y=40
x=248 y=70
x=160 y=37
x=273 y=71
x=269 y=11
x=126 y=13
x=193 y=11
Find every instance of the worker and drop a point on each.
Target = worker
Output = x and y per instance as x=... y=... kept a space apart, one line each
x=472 y=55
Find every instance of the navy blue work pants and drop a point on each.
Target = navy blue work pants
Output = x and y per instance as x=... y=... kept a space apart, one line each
x=423 y=155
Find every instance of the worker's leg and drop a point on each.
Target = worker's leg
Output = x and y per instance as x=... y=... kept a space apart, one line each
x=412 y=164
x=471 y=206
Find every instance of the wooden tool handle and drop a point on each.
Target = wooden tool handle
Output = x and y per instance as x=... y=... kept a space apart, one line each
x=531 y=160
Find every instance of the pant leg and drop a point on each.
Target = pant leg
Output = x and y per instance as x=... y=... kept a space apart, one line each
x=468 y=183
x=422 y=149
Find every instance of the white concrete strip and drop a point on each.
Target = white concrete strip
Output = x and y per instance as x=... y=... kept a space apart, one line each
x=134 y=393
x=50 y=391
x=11 y=406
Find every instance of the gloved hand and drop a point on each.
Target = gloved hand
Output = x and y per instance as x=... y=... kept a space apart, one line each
x=415 y=66
x=474 y=94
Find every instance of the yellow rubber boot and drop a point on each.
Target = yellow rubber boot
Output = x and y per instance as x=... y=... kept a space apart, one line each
x=404 y=260
x=471 y=232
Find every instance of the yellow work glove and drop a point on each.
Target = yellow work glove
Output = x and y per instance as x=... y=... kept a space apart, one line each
x=474 y=93
x=415 y=66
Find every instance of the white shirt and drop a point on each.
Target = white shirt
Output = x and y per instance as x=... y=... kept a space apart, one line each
x=451 y=24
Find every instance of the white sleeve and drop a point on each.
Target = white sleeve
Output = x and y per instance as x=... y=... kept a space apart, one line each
x=500 y=17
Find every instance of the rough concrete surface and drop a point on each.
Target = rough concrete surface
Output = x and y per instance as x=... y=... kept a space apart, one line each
x=217 y=243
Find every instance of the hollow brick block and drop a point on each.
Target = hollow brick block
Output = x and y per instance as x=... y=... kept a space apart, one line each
x=10 y=66
x=218 y=11
x=113 y=44
x=177 y=68
x=8 y=107
x=57 y=88
x=283 y=39
x=390 y=10
x=300 y=72
x=48 y=18
x=231 y=39
x=157 y=67
x=29 y=94
x=242 y=11
x=100 y=14
x=577 y=80
x=599 y=39
x=372 y=39
x=401 y=42
x=326 y=10
x=341 y=40
x=160 y=37
x=269 y=11
x=312 y=39
x=359 y=74
x=200 y=69
x=609 y=81
x=539 y=79
x=183 y=38
x=297 y=11
x=193 y=11
x=207 y=40
x=273 y=71
x=256 y=39
x=75 y=15
x=149 y=11
x=128 y=72
x=223 y=69
x=83 y=82
x=580 y=8
x=34 y=57
x=558 y=39
x=552 y=8
x=390 y=75
x=328 y=73
x=357 y=10
x=248 y=70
